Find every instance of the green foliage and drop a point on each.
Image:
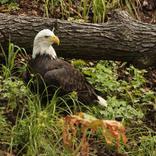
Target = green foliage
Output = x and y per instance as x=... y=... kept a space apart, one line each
x=13 y=99
x=99 y=10
x=124 y=97
x=33 y=130
x=103 y=76
x=148 y=145
x=5 y=129
x=80 y=10
x=38 y=128
x=132 y=6
x=6 y=1
x=78 y=63
x=12 y=7
x=83 y=10
x=119 y=108
x=10 y=56
x=13 y=91
x=89 y=9
x=142 y=140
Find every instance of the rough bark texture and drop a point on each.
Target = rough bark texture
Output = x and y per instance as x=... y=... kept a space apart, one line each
x=121 y=38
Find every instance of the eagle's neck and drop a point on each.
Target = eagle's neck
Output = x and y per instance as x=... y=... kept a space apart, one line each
x=44 y=49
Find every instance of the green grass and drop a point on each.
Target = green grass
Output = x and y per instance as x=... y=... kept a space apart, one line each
x=83 y=10
x=38 y=128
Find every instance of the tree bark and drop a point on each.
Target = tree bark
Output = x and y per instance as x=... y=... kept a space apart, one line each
x=121 y=38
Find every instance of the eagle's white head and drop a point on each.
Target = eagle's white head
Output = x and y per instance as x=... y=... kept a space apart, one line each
x=43 y=43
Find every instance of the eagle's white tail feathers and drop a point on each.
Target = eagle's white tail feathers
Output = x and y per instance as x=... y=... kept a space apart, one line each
x=102 y=101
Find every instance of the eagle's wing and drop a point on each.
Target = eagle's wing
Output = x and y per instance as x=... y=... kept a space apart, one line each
x=68 y=79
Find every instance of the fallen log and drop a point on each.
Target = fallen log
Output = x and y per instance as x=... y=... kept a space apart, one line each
x=121 y=38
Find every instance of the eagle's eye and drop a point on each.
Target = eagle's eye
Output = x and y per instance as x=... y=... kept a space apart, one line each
x=46 y=36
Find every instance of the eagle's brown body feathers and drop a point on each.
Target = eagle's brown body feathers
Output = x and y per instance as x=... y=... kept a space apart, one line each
x=59 y=73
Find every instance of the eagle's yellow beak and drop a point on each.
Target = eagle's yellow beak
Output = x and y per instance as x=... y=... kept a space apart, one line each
x=55 y=39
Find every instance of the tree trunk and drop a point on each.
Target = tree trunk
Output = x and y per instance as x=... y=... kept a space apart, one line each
x=121 y=38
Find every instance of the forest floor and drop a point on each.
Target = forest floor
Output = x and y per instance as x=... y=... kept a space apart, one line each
x=130 y=92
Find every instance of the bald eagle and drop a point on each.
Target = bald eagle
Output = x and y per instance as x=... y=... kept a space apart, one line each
x=57 y=72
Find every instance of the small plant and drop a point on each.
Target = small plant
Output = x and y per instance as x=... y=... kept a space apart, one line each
x=111 y=130
x=12 y=7
x=103 y=76
x=99 y=11
x=4 y=1
x=9 y=5
x=120 y=109
x=148 y=145
x=9 y=66
x=132 y=6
